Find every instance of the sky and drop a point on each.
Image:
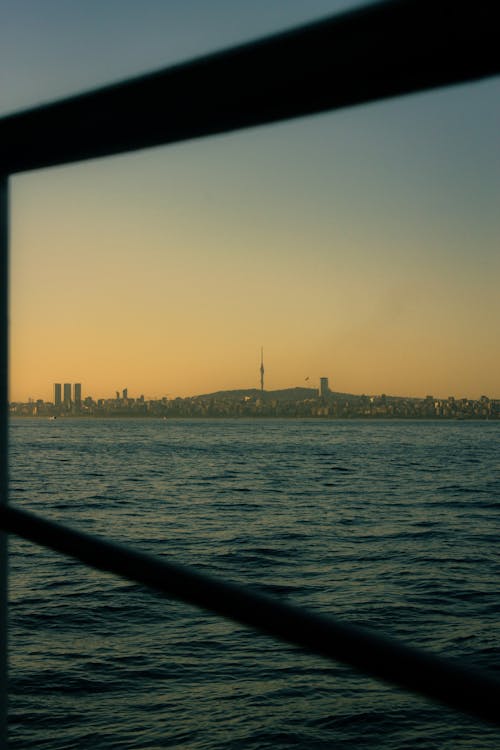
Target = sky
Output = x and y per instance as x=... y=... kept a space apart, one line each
x=361 y=245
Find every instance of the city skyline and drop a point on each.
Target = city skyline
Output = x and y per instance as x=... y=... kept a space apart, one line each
x=362 y=243
x=65 y=394
x=295 y=403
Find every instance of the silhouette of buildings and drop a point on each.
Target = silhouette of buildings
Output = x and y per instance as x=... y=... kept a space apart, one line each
x=67 y=395
x=324 y=389
x=298 y=403
x=77 y=394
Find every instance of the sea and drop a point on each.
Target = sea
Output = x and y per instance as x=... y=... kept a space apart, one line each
x=392 y=525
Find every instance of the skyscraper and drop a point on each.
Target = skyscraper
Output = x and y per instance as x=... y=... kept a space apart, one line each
x=77 y=394
x=261 y=368
x=67 y=395
x=57 y=394
x=324 y=389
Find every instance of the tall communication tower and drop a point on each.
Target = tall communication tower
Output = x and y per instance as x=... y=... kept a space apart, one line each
x=262 y=369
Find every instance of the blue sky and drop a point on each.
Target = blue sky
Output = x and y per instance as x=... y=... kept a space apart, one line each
x=361 y=245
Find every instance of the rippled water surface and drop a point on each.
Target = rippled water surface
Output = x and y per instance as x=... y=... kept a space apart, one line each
x=391 y=525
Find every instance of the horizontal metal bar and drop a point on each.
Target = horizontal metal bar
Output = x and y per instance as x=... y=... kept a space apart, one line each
x=382 y=50
x=462 y=688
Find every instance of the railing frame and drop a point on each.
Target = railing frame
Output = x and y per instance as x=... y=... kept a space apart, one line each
x=368 y=54
x=379 y=51
x=4 y=477
x=452 y=684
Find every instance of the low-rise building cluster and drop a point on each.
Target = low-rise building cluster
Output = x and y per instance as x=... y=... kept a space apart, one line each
x=253 y=403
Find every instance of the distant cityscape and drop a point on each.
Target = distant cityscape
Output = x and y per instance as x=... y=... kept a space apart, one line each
x=298 y=402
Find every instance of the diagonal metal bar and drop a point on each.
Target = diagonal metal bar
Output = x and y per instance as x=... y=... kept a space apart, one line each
x=382 y=50
x=457 y=686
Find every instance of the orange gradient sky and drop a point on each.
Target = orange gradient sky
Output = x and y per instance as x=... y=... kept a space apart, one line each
x=361 y=245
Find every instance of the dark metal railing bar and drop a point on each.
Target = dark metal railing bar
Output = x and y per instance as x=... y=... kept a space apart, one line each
x=374 y=52
x=4 y=348
x=461 y=688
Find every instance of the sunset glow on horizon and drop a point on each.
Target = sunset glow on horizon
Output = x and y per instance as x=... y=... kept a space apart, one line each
x=360 y=245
